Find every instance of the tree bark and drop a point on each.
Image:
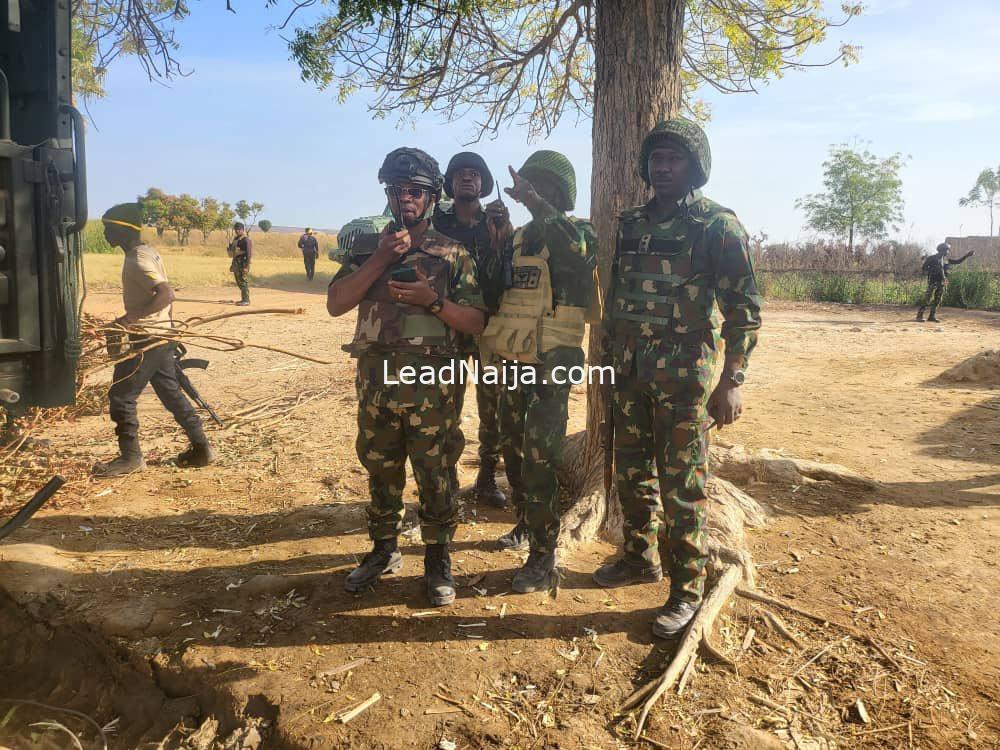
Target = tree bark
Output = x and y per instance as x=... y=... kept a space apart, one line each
x=638 y=49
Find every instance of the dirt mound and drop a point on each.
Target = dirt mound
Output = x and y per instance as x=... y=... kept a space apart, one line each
x=983 y=368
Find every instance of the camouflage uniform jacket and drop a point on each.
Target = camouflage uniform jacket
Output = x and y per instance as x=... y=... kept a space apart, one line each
x=572 y=246
x=385 y=325
x=476 y=239
x=667 y=277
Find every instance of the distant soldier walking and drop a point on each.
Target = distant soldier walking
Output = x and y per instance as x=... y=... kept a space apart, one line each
x=310 y=250
x=936 y=268
x=484 y=233
x=538 y=331
x=147 y=297
x=417 y=300
x=241 y=251
x=677 y=257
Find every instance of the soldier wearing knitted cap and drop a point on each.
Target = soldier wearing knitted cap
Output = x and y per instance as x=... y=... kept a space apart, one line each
x=418 y=301
x=678 y=257
x=483 y=232
x=538 y=331
x=148 y=299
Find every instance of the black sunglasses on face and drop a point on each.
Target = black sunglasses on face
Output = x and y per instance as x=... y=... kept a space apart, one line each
x=413 y=192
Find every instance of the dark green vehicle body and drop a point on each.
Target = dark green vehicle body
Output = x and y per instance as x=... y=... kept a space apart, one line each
x=43 y=207
x=355 y=228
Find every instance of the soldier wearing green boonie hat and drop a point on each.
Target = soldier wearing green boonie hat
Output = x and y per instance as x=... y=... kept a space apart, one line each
x=678 y=257
x=148 y=301
x=539 y=329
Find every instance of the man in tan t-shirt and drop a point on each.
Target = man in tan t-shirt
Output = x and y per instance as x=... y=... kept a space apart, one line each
x=148 y=300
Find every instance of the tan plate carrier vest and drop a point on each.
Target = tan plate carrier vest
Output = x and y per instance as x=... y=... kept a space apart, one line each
x=528 y=324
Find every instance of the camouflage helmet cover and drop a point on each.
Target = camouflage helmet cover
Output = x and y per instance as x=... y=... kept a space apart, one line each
x=557 y=167
x=468 y=160
x=411 y=165
x=690 y=136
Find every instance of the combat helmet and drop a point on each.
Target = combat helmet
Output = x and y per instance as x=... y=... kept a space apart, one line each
x=944 y=247
x=557 y=167
x=411 y=165
x=687 y=134
x=468 y=160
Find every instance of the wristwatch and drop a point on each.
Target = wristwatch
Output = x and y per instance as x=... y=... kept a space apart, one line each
x=737 y=378
x=435 y=306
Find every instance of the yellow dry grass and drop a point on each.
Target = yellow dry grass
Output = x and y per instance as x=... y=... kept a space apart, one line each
x=271 y=244
x=188 y=270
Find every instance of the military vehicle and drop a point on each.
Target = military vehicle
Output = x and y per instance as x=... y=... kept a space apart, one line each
x=356 y=228
x=43 y=208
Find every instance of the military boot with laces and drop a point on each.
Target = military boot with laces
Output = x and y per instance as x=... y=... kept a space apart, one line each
x=437 y=575
x=536 y=574
x=384 y=558
x=486 y=485
x=515 y=539
x=623 y=573
x=674 y=617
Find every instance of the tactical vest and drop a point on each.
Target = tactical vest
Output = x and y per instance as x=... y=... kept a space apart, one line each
x=385 y=323
x=666 y=284
x=528 y=324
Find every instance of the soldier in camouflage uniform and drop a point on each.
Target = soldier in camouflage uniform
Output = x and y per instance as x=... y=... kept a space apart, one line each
x=482 y=232
x=241 y=251
x=553 y=259
x=406 y=328
x=676 y=258
x=936 y=268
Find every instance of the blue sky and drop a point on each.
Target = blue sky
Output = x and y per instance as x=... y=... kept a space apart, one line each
x=243 y=125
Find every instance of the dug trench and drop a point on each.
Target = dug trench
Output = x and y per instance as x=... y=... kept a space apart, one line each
x=210 y=591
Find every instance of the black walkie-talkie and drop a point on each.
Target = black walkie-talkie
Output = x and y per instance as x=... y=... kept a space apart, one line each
x=396 y=225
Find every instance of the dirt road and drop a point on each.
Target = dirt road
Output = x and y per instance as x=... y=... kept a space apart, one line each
x=225 y=584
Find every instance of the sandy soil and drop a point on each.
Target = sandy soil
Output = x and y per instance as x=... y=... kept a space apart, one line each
x=226 y=583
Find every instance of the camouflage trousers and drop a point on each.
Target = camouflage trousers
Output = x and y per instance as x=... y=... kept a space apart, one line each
x=487 y=402
x=932 y=297
x=532 y=429
x=661 y=464
x=241 y=274
x=400 y=421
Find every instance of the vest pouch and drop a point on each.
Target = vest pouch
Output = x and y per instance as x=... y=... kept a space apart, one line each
x=418 y=325
x=513 y=332
x=565 y=327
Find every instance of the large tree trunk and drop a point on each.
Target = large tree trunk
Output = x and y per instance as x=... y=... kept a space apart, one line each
x=638 y=46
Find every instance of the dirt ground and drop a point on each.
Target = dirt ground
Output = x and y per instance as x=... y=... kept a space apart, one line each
x=221 y=589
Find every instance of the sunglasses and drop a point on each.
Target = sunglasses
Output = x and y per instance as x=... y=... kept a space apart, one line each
x=412 y=192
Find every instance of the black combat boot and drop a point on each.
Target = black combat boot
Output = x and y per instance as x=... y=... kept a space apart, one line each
x=129 y=460
x=515 y=539
x=673 y=617
x=384 y=558
x=623 y=573
x=198 y=455
x=486 y=485
x=437 y=575
x=536 y=573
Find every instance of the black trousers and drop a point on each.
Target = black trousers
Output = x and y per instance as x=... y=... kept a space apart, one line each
x=310 y=260
x=156 y=366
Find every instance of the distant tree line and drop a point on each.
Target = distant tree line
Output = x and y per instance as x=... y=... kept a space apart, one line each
x=184 y=213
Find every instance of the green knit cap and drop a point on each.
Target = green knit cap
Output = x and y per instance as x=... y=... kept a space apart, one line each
x=125 y=215
x=689 y=136
x=557 y=167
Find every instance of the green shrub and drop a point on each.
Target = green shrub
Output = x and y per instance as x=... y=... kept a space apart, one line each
x=93 y=238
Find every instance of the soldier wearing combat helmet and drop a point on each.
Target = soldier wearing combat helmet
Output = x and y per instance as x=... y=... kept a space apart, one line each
x=484 y=232
x=678 y=257
x=538 y=331
x=417 y=300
